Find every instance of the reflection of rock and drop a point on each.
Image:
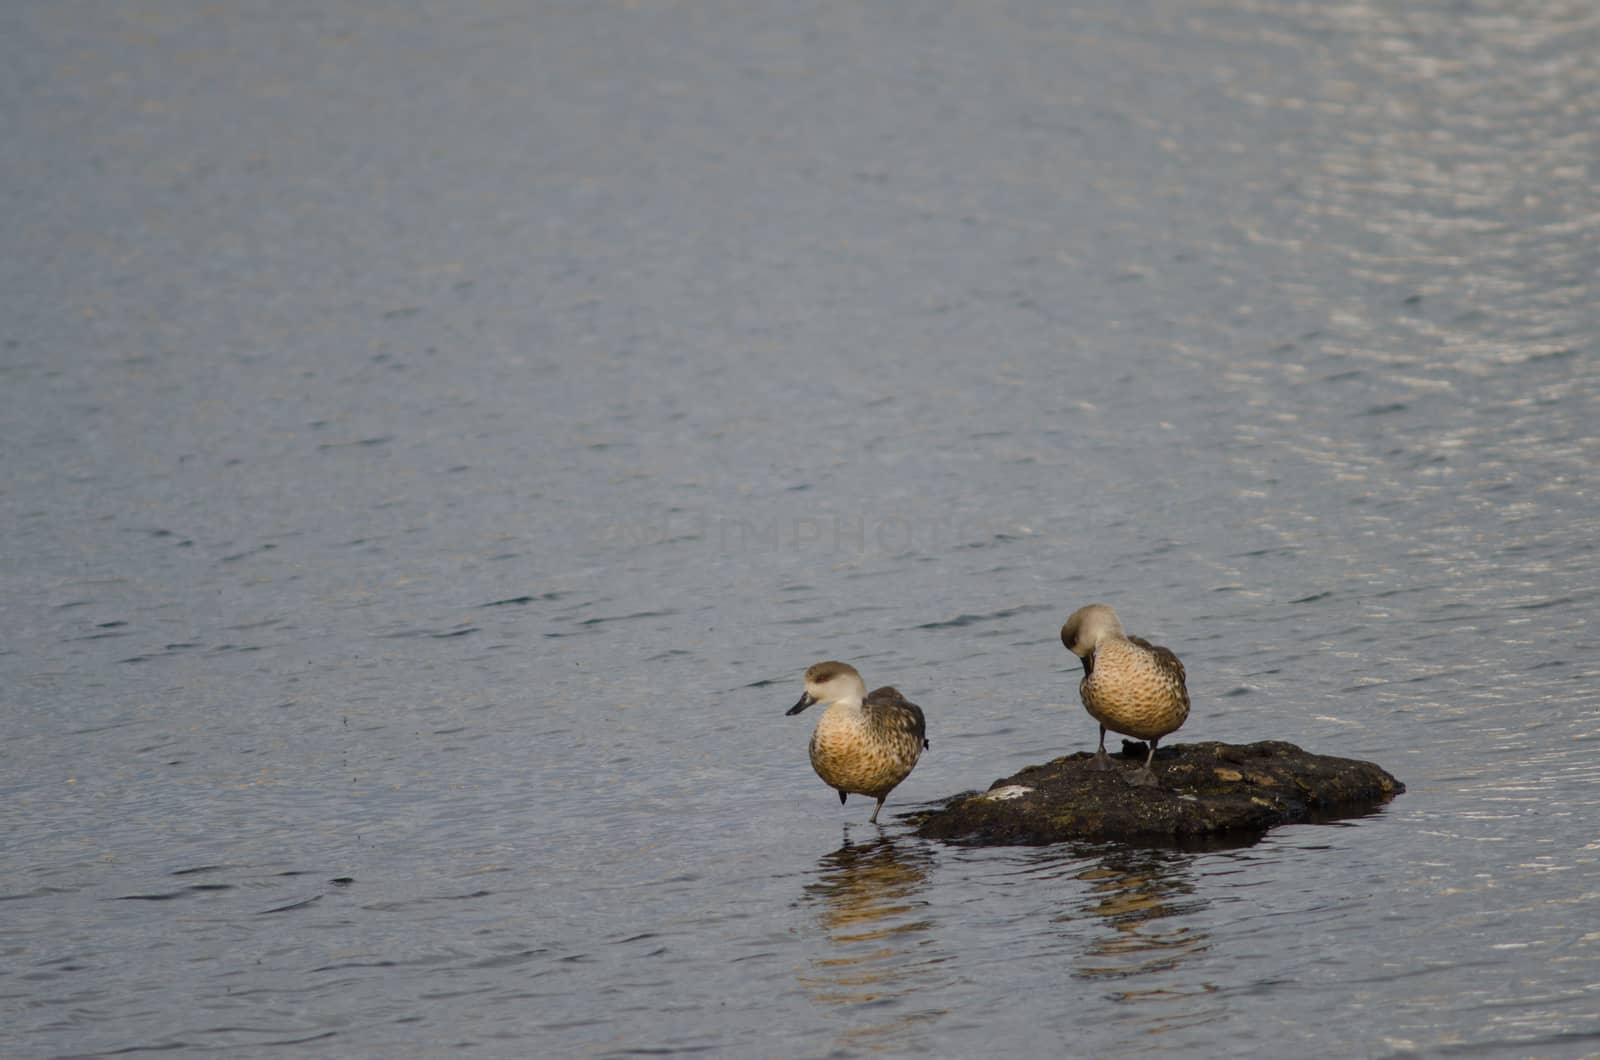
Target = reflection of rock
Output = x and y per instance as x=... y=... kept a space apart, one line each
x=872 y=916
x=1209 y=793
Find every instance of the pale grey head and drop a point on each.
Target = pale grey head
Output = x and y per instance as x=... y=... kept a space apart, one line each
x=828 y=683
x=1086 y=627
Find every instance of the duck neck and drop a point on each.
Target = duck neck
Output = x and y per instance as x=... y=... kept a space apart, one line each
x=845 y=706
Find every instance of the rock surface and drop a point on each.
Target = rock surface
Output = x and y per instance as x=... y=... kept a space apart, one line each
x=1208 y=794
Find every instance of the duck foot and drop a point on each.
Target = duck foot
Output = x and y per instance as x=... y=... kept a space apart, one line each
x=1143 y=777
x=1101 y=762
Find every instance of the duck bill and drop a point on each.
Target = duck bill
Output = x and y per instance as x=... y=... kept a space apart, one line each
x=805 y=701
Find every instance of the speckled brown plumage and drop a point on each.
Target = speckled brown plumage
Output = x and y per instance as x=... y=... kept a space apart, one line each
x=863 y=744
x=1129 y=685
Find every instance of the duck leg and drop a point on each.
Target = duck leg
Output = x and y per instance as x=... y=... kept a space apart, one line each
x=1101 y=761
x=1145 y=776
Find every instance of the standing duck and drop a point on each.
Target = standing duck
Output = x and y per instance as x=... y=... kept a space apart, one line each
x=863 y=743
x=1129 y=685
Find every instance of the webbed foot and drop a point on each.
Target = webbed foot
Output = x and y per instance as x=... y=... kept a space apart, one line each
x=1101 y=762
x=1143 y=777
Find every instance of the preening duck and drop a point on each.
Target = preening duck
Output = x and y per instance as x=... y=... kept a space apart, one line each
x=1129 y=685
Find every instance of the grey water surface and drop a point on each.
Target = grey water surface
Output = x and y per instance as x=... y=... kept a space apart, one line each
x=437 y=435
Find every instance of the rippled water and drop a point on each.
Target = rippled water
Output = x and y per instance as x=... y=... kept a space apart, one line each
x=438 y=436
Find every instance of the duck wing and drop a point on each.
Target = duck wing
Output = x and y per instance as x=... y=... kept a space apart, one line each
x=888 y=708
x=1168 y=662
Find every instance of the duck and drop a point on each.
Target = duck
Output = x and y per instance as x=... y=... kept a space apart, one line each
x=864 y=744
x=1129 y=685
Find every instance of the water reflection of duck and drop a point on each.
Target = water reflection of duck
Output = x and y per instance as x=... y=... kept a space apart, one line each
x=1132 y=893
x=873 y=920
x=863 y=743
x=864 y=883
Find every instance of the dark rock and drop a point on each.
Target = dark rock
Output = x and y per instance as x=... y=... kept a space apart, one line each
x=1208 y=794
